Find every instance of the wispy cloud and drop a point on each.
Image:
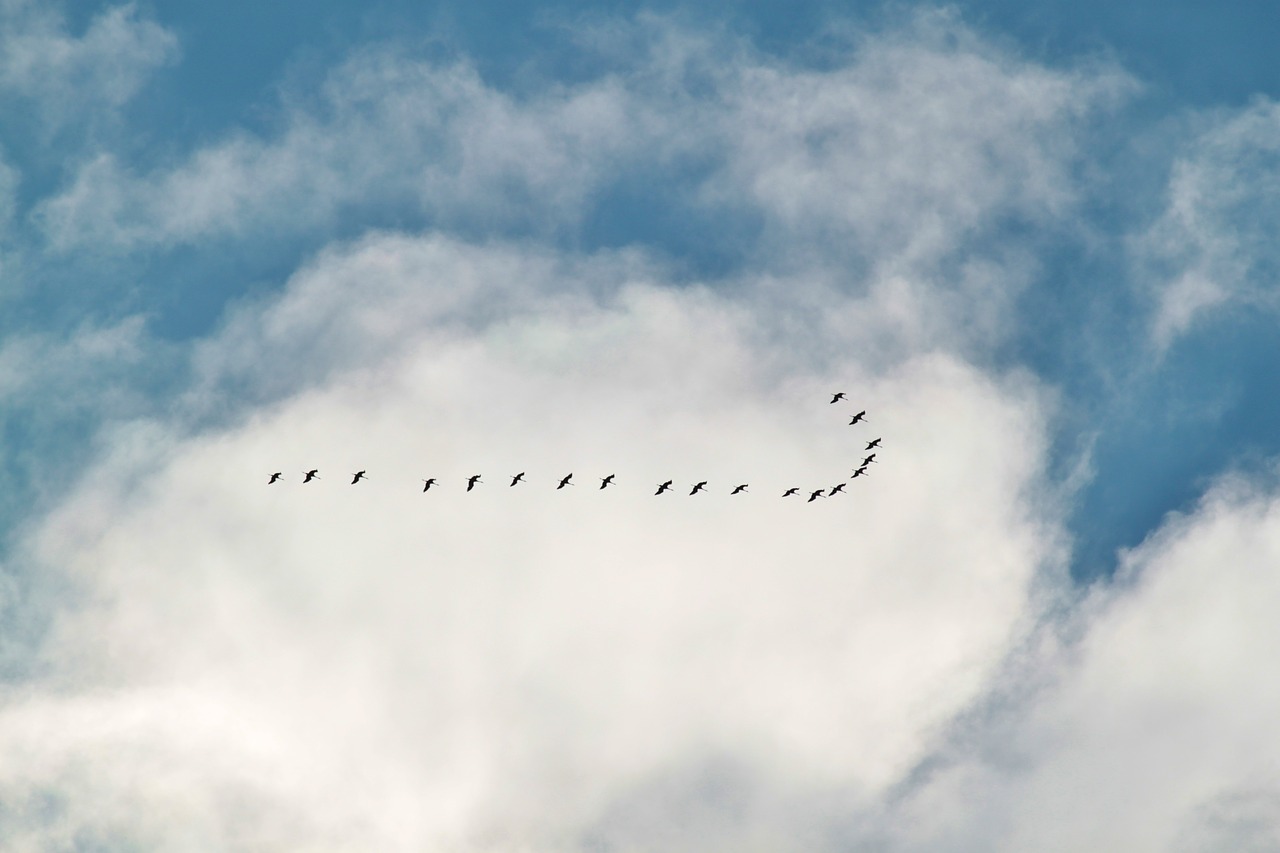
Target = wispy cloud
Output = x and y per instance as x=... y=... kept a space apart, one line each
x=1212 y=246
x=65 y=76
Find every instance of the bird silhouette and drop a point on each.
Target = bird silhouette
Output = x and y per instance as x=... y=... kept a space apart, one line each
x=359 y=475
x=276 y=476
x=871 y=445
x=472 y=480
x=813 y=496
x=791 y=491
x=861 y=416
x=738 y=489
x=606 y=481
x=311 y=475
x=869 y=460
x=836 y=488
x=699 y=487
x=517 y=478
x=662 y=487
x=564 y=481
x=837 y=397
x=859 y=472
x=429 y=483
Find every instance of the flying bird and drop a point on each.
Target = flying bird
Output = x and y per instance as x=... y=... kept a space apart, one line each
x=837 y=488
x=737 y=489
x=858 y=417
x=472 y=480
x=359 y=475
x=837 y=397
x=859 y=472
x=606 y=481
x=872 y=444
x=564 y=481
x=813 y=496
x=662 y=487
x=791 y=491
x=429 y=483
x=313 y=474
x=869 y=460
x=517 y=478
x=699 y=487
x=276 y=476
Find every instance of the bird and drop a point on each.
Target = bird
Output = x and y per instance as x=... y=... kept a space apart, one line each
x=836 y=488
x=813 y=496
x=791 y=491
x=737 y=489
x=699 y=487
x=869 y=459
x=858 y=417
x=859 y=472
x=837 y=397
x=606 y=481
x=517 y=478
x=872 y=444
x=276 y=476
x=359 y=475
x=429 y=483
x=564 y=481
x=472 y=480
x=662 y=487
x=311 y=475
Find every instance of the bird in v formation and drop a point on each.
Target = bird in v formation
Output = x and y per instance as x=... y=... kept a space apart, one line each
x=472 y=481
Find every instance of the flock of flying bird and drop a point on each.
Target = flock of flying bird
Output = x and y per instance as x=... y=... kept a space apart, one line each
x=605 y=482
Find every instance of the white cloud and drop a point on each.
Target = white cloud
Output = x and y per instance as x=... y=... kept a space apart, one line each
x=371 y=667
x=1212 y=246
x=395 y=669
x=1156 y=728
x=921 y=139
x=68 y=76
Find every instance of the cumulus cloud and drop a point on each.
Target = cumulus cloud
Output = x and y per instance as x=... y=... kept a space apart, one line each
x=1157 y=730
x=336 y=666
x=393 y=668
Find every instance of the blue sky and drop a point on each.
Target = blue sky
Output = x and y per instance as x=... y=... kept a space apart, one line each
x=1035 y=241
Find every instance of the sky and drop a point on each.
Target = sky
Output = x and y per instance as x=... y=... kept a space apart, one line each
x=1033 y=241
